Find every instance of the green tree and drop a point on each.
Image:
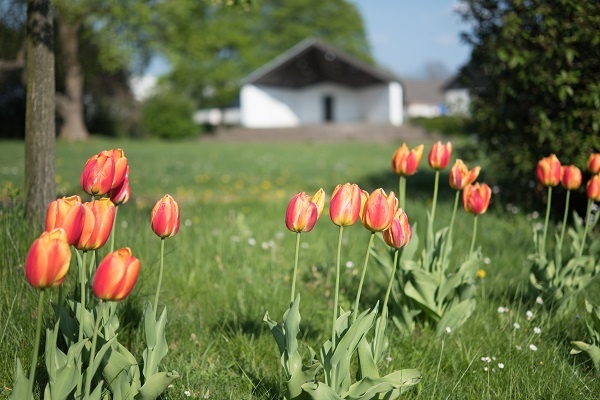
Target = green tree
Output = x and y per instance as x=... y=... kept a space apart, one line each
x=534 y=77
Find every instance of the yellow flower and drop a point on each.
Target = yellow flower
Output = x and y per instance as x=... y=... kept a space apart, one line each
x=481 y=273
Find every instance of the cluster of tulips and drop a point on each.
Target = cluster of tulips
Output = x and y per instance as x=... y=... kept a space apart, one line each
x=87 y=227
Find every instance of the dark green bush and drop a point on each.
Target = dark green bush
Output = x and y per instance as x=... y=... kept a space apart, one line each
x=445 y=124
x=168 y=115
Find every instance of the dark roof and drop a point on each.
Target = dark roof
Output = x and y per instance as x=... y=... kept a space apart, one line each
x=312 y=61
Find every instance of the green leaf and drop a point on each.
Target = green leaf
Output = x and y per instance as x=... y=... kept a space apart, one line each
x=156 y=343
x=300 y=376
x=20 y=388
x=97 y=393
x=353 y=335
x=120 y=364
x=456 y=316
x=100 y=356
x=367 y=368
x=320 y=391
x=368 y=388
x=157 y=384
x=592 y=350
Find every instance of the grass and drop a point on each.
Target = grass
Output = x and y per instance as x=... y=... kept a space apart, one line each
x=232 y=260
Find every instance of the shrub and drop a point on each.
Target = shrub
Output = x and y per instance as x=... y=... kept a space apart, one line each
x=445 y=124
x=168 y=115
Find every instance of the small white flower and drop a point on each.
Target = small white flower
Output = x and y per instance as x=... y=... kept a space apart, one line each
x=529 y=314
x=502 y=310
x=251 y=241
x=539 y=300
x=518 y=347
x=187 y=393
x=485 y=369
x=537 y=330
x=487 y=261
x=532 y=347
x=264 y=245
x=448 y=329
x=535 y=215
x=188 y=222
x=494 y=358
x=388 y=359
x=538 y=226
x=304 y=245
x=349 y=264
x=501 y=365
x=516 y=325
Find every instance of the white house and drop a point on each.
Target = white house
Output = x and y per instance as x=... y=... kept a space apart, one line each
x=456 y=96
x=424 y=98
x=314 y=83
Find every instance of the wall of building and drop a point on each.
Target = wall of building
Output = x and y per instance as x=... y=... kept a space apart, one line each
x=268 y=107
x=457 y=101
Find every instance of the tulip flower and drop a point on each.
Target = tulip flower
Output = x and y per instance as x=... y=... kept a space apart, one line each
x=593 y=188
x=439 y=155
x=476 y=198
x=165 y=218
x=121 y=193
x=301 y=214
x=405 y=162
x=98 y=175
x=345 y=204
x=460 y=176
x=98 y=221
x=399 y=233
x=120 y=163
x=378 y=211
x=48 y=259
x=66 y=213
x=570 y=180
x=549 y=171
x=319 y=200
x=593 y=163
x=116 y=275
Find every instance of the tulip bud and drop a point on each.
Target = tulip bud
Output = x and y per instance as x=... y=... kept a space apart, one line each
x=570 y=177
x=48 y=259
x=439 y=155
x=476 y=198
x=460 y=176
x=98 y=175
x=301 y=214
x=405 y=162
x=345 y=204
x=120 y=194
x=549 y=171
x=66 y=213
x=593 y=163
x=593 y=188
x=98 y=220
x=399 y=233
x=165 y=217
x=116 y=275
x=120 y=163
x=378 y=210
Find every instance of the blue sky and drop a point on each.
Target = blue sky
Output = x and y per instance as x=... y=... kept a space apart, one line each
x=405 y=35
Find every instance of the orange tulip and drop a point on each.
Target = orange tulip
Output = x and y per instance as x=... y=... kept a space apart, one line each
x=439 y=155
x=120 y=194
x=165 y=217
x=405 y=162
x=460 y=176
x=378 y=210
x=121 y=165
x=570 y=177
x=66 y=213
x=476 y=198
x=593 y=163
x=301 y=214
x=98 y=175
x=116 y=275
x=98 y=220
x=399 y=233
x=319 y=200
x=345 y=204
x=593 y=188
x=48 y=259
x=549 y=171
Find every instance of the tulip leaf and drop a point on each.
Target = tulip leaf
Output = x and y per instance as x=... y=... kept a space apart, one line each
x=156 y=344
x=157 y=384
x=456 y=316
x=97 y=393
x=20 y=389
x=100 y=356
x=120 y=364
x=369 y=388
x=353 y=335
x=592 y=351
x=301 y=375
x=320 y=391
x=277 y=332
x=367 y=368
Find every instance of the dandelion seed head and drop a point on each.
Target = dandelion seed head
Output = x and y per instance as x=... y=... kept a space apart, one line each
x=487 y=261
x=502 y=310
x=529 y=314
x=264 y=245
x=124 y=224
x=501 y=365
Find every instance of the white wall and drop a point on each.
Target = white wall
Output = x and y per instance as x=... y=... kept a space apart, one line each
x=458 y=101
x=423 y=110
x=267 y=107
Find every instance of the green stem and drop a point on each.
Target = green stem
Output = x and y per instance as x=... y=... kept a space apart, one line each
x=160 y=274
x=337 y=287
x=384 y=311
x=456 y=200
x=564 y=224
x=89 y=374
x=438 y=368
x=112 y=232
x=402 y=192
x=82 y=281
x=36 y=343
x=586 y=225
x=543 y=245
x=362 y=278
x=435 y=194
x=474 y=235
x=295 y=266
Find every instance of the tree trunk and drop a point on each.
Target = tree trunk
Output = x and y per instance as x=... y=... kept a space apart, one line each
x=70 y=104
x=40 y=135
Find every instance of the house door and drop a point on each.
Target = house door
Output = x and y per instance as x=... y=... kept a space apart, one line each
x=328 y=107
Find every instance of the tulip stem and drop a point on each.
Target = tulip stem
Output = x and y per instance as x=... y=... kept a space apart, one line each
x=586 y=223
x=112 y=233
x=160 y=274
x=474 y=235
x=384 y=311
x=362 y=278
x=337 y=287
x=564 y=224
x=548 y=205
x=295 y=266
x=36 y=343
x=435 y=194
x=456 y=199
x=89 y=374
x=402 y=192
x=82 y=276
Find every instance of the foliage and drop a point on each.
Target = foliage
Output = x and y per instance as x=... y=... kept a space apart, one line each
x=593 y=326
x=534 y=78
x=168 y=115
x=445 y=125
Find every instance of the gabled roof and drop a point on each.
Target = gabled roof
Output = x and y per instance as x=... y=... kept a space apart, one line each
x=312 y=61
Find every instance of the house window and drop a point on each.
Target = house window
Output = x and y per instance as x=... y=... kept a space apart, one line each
x=328 y=107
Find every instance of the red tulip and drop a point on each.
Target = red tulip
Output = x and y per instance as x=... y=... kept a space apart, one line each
x=66 y=213
x=345 y=204
x=120 y=194
x=593 y=188
x=570 y=177
x=301 y=214
x=593 y=163
x=116 y=275
x=439 y=155
x=378 y=210
x=399 y=233
x=165 y=217
x=121 y=165
x=460 y=176
x=98 y=175
x=98 y=220
x=549 y=171
x=405 y=162
x=48 y=259
x=476 y=198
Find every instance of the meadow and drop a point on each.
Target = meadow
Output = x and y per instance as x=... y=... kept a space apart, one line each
x=232 y=261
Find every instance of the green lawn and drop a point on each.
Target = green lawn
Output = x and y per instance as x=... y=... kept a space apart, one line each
x=232 y=261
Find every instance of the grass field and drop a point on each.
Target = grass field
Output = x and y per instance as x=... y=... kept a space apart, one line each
x=232 y=261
